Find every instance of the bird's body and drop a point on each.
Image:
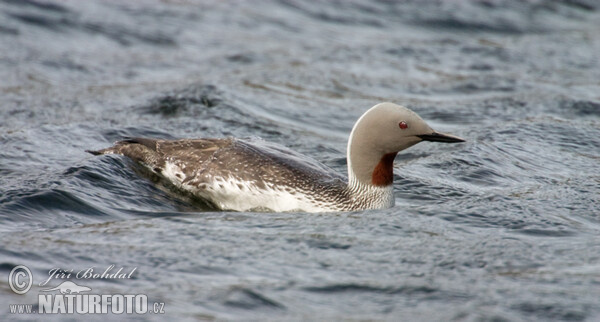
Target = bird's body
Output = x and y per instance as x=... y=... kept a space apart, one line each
x=242 y=175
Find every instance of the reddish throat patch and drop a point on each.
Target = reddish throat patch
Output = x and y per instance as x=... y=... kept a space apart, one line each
x=383 y=174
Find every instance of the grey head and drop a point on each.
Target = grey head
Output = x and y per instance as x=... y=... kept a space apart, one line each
x=378 y=135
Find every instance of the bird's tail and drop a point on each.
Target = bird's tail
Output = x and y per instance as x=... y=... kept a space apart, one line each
x=138 y=149
x=96 y=152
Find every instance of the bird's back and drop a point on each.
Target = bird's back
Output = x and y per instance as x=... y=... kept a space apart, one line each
x=239 y=174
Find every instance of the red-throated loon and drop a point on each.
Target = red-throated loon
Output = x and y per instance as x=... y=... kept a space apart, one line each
x=242 y=175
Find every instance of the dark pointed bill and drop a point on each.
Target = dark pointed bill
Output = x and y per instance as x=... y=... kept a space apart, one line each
x=440 y=137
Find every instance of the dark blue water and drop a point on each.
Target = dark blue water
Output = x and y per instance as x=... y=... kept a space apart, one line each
x=505 y=227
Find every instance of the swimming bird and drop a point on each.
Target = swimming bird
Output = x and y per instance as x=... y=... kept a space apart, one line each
x=244 y=175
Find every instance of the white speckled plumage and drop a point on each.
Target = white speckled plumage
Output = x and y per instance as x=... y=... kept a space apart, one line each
x=242 y=175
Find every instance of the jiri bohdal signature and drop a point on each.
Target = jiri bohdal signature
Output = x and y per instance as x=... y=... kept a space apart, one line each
x=89 y=273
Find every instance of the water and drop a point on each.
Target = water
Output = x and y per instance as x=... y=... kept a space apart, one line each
x=503 y=227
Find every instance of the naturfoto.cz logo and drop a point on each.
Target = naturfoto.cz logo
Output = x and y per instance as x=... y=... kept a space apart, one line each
x=69 y=297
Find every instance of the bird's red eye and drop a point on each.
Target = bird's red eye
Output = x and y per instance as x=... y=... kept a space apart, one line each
x=403 y=125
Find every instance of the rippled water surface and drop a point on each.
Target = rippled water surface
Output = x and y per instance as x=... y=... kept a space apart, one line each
x=503 y=227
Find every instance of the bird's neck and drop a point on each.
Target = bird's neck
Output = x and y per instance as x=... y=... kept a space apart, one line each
x=375 y=171
x=383 y=173
x=370 y=179
x=370 y=171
